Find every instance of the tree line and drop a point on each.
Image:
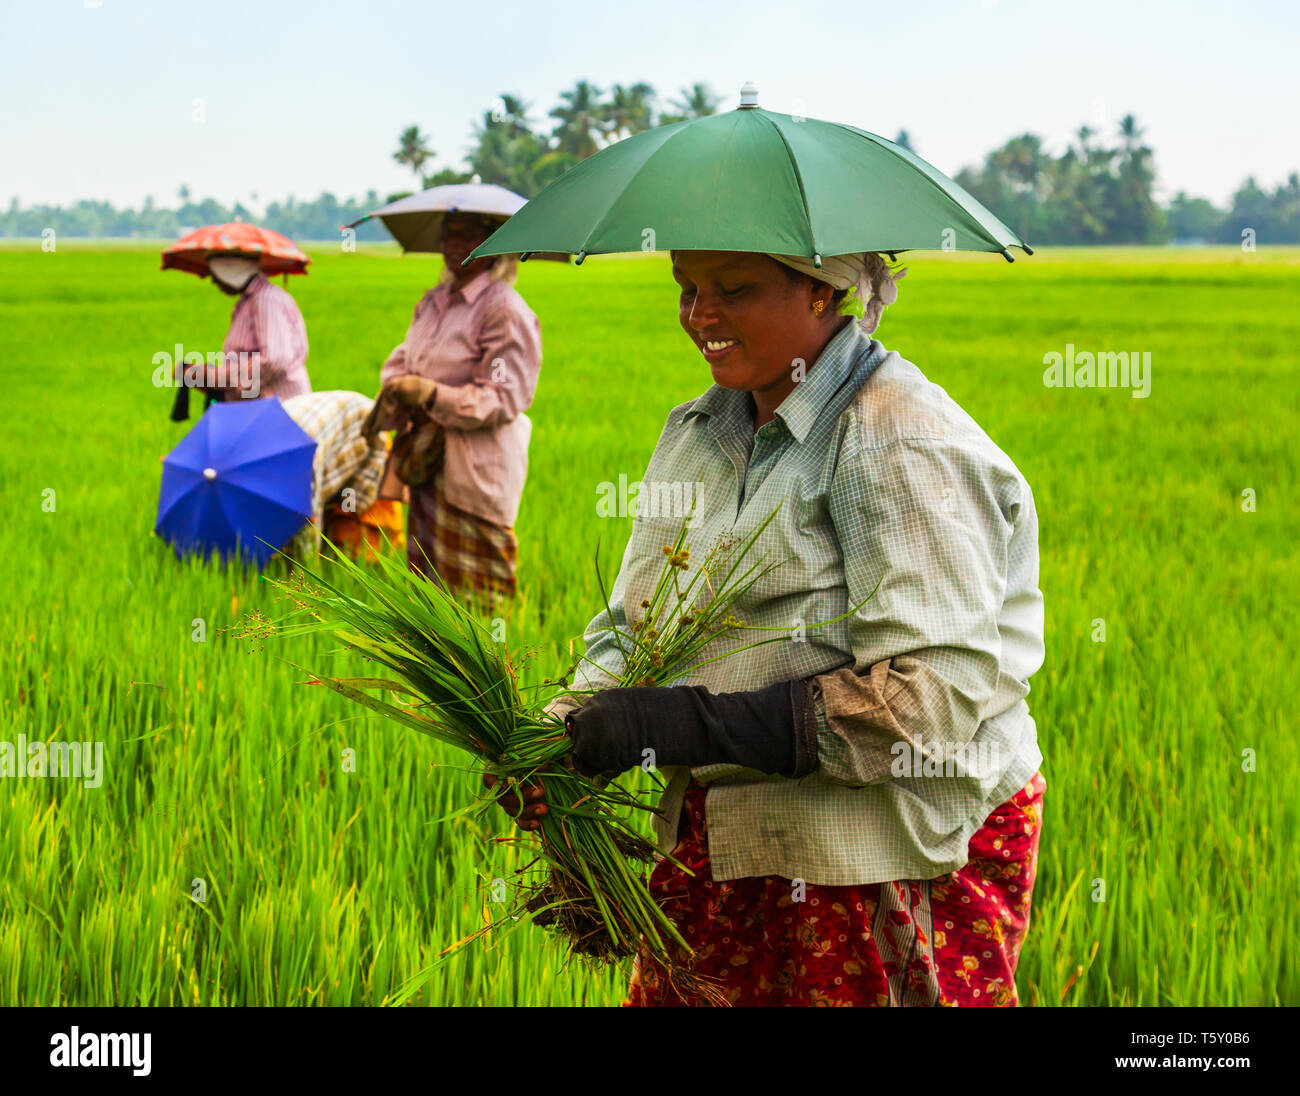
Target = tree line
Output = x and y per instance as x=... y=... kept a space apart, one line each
x=1098 y=191
x=319 y=219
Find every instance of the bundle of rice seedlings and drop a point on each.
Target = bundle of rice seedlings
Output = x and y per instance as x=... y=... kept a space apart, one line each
x=449 y=679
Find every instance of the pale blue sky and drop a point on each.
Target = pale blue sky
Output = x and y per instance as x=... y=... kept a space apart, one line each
x=305 y=96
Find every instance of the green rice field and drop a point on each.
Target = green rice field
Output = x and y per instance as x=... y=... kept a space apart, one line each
x=1167 y=869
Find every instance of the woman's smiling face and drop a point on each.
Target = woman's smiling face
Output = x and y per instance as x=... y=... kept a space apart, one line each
x=751 y=319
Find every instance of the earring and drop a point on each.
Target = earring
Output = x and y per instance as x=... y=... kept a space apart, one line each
x=818 y=306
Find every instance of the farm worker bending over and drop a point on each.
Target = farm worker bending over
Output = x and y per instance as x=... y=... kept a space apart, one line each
x=348 y=465
x=266 y=321
x=469 y=363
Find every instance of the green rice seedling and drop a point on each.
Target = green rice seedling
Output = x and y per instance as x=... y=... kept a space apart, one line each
x=451 y=681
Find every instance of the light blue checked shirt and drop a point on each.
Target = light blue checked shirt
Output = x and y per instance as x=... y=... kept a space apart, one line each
x=881 y=478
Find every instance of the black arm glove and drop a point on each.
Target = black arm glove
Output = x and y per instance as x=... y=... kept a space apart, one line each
x=773 y=730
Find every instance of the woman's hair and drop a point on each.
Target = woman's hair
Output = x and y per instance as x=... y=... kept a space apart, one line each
x=879 y=278
x=505 y=269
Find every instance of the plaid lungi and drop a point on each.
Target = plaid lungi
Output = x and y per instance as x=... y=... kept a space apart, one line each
x=469 y=554
x=953 y=940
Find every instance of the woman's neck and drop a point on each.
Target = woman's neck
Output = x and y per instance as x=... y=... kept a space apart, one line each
x=767 y=400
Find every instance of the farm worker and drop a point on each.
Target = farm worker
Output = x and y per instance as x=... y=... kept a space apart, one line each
x=348 y=466
x=860 y=804
x=266 y=321
x=469 y=364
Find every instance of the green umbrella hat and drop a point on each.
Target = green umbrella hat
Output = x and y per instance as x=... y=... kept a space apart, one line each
x=752 y=180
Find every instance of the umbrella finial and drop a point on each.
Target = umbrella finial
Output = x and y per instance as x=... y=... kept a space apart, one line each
x=209 y=474
x=748 y=95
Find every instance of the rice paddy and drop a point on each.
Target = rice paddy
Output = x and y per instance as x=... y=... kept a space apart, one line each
x=255 y=839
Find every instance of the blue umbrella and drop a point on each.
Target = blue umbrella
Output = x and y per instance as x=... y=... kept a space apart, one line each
x=242 y=476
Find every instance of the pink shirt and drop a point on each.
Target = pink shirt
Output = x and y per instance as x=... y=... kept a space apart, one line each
x=482 y=345
x=266 y=320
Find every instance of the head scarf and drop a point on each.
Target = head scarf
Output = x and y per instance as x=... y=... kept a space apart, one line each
x=864 y=270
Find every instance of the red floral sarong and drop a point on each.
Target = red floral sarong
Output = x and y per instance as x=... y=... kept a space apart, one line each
x=953 y=940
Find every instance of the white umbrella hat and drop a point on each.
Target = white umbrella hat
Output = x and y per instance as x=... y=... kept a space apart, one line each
x=416 y=220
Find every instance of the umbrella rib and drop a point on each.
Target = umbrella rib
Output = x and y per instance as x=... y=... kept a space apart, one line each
x=267 y=499
x=609 y=208
x=798 y=175
x=232 y=445
x=176 y=501
x=278 y=454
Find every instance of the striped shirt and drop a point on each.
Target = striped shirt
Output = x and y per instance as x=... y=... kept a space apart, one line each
x=884 y=484
x=266 y=321
x=482 y=345
x=347 y=467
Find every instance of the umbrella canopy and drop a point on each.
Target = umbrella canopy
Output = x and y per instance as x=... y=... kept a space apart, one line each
x=416 y=220
x=242 y=476
x=752 y=180
x=277 y=254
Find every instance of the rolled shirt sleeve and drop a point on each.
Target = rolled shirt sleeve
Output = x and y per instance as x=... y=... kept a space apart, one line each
x=926 y=524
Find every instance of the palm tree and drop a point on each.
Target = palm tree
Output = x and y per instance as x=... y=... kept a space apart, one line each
x=581 y=119
x=1129 y=132
x=506 y=152
x=1021 y=161
x=1139 y=219
x=629 y=109
x=412 y=150
x=514 y=115
x=1083 y=191
x=697 y=101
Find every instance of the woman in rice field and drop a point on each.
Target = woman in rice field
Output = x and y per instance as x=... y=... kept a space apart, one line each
x=266 y=322
x=469 y=364
x=860 y=805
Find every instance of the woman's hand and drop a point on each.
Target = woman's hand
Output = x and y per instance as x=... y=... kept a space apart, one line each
x=528 y=815
x=411 y=391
